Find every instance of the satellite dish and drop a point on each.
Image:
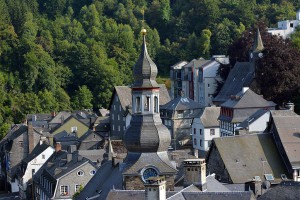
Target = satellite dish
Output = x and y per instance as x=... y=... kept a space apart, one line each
x=260 y=55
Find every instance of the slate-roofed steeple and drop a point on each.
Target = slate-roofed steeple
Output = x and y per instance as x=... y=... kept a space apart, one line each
x=258 y=45
x=145 y=70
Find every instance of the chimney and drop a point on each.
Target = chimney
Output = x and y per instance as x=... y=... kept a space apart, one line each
x=155 y=188
x=30 y=137
x=245 y=89
x=69 y=157
x=53 y=114
x=72 y=148
x=295 y=175
x=195 y=173
x=57 y=146
x=290 y=106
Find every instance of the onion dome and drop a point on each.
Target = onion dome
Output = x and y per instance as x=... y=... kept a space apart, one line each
x=145 y=70
x=146 y=133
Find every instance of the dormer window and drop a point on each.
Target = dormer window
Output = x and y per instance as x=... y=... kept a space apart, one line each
x=20 y=143
x=74 y=129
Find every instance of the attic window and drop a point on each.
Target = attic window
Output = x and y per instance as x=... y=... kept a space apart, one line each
x=20 y=143
x=74 y=129
x=92 y=172
x=64 y=190
x=80 y=173
x=269 y=177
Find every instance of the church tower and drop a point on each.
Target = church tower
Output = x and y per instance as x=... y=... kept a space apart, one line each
x=146 y=139
x=257 y=48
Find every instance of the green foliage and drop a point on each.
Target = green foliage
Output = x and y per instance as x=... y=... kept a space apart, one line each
x=50 y=48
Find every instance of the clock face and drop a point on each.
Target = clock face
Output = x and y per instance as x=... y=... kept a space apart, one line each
x=149 y=172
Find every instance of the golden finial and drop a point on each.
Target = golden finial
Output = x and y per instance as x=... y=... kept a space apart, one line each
x=143 y=31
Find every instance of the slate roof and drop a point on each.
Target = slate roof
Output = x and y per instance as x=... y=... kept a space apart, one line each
x=145 y=70
x=181 y=103
x=106 y=178
x=57 y=165
x=252 y=155
x=289 y=190
x=179 y=64
x=103 y=124
x=38 y=149
x=125 y=96
x=198 y=63
x=217 y=196
x=39 y=117
x=287 y=124
x=60 y=117
x=103 y=112
x=137 y=161
x=210 y=115
x=253 y=118
x=10 y=196
x=249 y=99
x=240 y=76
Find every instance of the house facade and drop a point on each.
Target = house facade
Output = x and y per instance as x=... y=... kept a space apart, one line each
x=204 y=129
x=239 y=108
x=286 y=27
x=196 y=79
x=177 y=116
x=30 y=165
x=62 y=175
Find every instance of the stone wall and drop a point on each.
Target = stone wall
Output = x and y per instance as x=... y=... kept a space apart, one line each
x=136 y=183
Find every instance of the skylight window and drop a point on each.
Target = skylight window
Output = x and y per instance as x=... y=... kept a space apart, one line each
x=269 y=177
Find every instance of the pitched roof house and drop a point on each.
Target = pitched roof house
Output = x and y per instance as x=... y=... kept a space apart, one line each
x=177 y=115
x=285 y=127
x=30 y=165
x=239 y=108
x=204 y=129
x=245 y=158
x=62 y=175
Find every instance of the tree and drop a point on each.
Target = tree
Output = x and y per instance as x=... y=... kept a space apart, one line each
x=82 y=99
x=278 y=72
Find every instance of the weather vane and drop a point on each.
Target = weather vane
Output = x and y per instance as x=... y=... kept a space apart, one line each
x=143 y=31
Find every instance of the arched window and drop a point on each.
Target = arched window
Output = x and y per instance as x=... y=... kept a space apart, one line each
x=156 y=104
x=147 y=104
x=138 y=104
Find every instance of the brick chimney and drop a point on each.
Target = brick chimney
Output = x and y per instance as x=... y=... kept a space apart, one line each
x=195 y=173
x=57 y=146
x=155 y=188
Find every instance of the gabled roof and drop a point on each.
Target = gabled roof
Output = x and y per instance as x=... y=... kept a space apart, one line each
x=38 y=149
x=65 y=136
x=286 y=190
x=57 y=165
x=182 y=103
x=240 y=76
x=287 y=124
x=210 y=115
x=39 y=117
x=66 y=121
x=250 y=155
x=106 y=178
x=125 y=97
x=253 y=118
x=249 y=99
x=197 y=63
x=60 y=117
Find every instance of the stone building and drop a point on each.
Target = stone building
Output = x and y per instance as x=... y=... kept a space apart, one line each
x=177 y=115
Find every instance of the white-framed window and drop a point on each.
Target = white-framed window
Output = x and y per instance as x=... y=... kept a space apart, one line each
x=64 y=190
x=119 y=128
x=92 y=172
x=124 y=128
x=74 y=129
x=118 y=117
x=120 y=107
x=114 y=107
x=112 y=116
x=80 y=173
x=113 y=127
x=77 y=187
